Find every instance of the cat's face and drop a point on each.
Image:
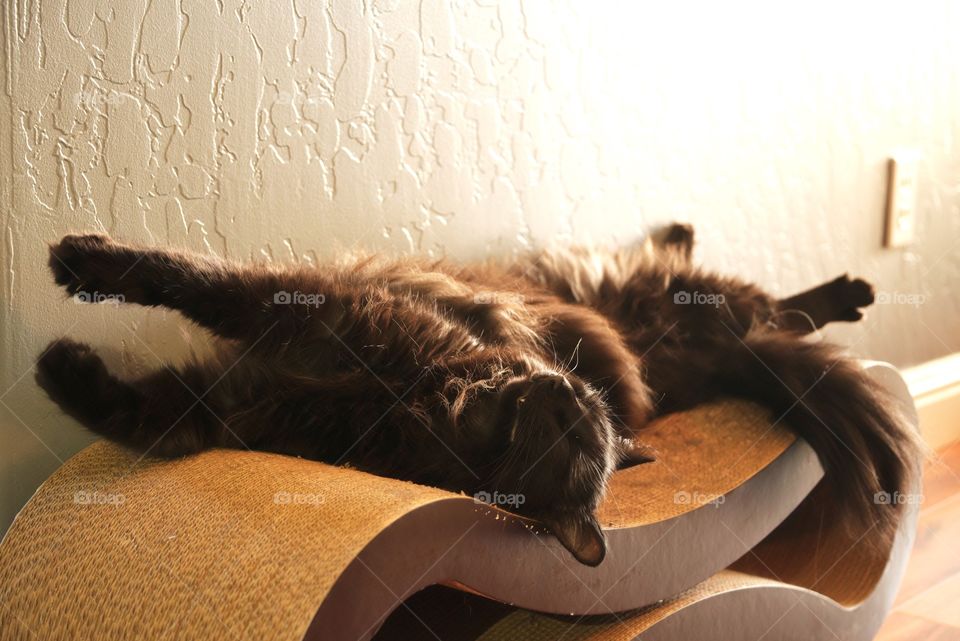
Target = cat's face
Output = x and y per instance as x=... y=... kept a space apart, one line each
x=559 y=451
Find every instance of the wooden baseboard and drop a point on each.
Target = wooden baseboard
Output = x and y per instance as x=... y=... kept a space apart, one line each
x=935 y=387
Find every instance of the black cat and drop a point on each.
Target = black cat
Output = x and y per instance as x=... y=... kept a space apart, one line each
x=534 y=378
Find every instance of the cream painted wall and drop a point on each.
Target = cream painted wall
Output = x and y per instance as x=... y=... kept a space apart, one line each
x=288 y=129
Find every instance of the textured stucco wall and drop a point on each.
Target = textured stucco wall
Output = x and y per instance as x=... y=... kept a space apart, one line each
x=287 y=129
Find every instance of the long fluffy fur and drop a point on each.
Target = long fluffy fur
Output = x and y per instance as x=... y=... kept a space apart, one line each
x=532 y=378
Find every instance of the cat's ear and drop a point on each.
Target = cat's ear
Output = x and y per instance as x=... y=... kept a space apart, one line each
x=632 y=453
x=581 y=534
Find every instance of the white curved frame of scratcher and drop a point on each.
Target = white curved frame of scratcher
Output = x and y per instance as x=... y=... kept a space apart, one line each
x=252 y=545
x=846 y=598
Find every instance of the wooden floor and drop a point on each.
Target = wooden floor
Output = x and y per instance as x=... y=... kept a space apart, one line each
x=928 y=606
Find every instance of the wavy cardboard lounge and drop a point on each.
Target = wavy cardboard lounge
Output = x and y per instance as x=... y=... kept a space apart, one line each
x=236 y=544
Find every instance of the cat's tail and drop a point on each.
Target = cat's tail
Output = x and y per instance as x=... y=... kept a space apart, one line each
x=869 y=453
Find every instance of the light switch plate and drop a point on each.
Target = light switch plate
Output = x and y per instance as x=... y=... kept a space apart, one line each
x=903 y=173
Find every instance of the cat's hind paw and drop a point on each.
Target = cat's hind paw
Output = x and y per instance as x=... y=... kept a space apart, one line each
x=850 y=296
x=678 y=237
x=859 y=292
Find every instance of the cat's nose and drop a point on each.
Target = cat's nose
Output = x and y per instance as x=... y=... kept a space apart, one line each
x=551 y=381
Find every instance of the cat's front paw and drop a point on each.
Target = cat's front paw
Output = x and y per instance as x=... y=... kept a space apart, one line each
x=77 y=262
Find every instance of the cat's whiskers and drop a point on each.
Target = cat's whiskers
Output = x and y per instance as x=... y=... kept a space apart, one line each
x=575 y=354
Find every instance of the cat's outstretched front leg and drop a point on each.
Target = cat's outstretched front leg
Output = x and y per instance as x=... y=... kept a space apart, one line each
x=838 y=300
x=230 y=300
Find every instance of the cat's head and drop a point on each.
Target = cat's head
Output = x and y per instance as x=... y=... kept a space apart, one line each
x=557 y=452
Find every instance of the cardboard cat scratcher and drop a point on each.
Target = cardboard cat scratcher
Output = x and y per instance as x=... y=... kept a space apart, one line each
x=726 y=536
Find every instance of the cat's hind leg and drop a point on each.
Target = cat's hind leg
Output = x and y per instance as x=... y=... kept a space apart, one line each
x=838 y=300
x=162 y=414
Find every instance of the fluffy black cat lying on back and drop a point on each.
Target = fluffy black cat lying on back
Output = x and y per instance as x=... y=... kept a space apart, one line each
x=531 y=378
